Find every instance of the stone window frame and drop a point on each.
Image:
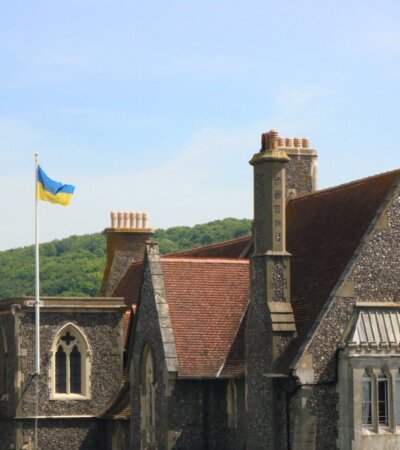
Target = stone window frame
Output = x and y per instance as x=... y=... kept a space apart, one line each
x=383 y=379
x=85 y=352
x=231 y=404
x=367 y=377
x=147 y=397
x=375 y=373
x=3 y=365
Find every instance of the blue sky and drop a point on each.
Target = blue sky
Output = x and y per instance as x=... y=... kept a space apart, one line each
x=158 y=106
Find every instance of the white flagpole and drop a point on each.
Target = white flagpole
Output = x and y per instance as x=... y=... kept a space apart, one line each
x=37 y=290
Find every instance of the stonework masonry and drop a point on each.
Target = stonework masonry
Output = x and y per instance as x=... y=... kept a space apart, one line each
x=100 y=321
x=148 y=333
x=372 y=276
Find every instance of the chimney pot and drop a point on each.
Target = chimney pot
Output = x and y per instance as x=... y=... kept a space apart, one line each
x=132 y=220
x=297 y=142
x=138 y=220
x=126 y=220
x=114 y=219
x=289 y=142
x=273 y=134
x=264 y=141
x=305 y=143
x=145 y=217
x=120 y=223
x=281 y=142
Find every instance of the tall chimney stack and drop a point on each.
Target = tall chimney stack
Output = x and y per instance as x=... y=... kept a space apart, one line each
x=126 y=241
x=270 y=324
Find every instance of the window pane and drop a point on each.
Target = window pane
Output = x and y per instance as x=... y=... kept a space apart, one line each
x=383 y=400
x=61 y=371
x=366 y=401
x=75 y=371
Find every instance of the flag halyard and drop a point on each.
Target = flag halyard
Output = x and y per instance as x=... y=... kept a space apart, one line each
x=53 y=191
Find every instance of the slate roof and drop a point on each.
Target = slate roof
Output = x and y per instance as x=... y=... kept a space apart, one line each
x=206 y=299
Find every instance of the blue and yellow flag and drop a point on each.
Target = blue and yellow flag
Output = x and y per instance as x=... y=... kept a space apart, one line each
x=53 y=191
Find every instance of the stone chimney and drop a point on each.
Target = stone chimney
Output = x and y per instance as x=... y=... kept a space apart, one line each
x=126 y=242
x=301 y=171
x=270 y=324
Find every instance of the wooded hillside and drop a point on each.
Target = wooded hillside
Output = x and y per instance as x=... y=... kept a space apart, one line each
x=74 y=266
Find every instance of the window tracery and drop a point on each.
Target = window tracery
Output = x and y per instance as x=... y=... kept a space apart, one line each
x=70 y=364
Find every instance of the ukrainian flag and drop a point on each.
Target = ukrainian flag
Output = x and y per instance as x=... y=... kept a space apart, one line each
x=53 y=191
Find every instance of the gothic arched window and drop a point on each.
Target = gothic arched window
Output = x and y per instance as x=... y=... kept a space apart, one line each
x=147 y=398
x=70 y=364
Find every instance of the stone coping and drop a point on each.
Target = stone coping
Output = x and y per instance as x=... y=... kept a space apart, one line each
x=57 y=303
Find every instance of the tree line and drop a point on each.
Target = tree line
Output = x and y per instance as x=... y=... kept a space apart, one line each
x=74 y=266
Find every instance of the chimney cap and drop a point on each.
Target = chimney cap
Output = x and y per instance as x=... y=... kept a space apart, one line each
x=271 y=140
x=129 y=221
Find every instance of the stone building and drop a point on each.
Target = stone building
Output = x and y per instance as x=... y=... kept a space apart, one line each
x=78 y=401
x=287 y=339
x=284 y=340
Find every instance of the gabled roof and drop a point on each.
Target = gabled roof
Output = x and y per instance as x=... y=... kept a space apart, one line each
x=208 y=287
x=206 y=299
x=323 y=231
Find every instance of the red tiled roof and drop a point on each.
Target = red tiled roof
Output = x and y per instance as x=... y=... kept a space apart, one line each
x=234 y=364
x=323 y=231
x=206 y=299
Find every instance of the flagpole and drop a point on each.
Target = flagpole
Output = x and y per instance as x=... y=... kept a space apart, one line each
x=37 y=290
